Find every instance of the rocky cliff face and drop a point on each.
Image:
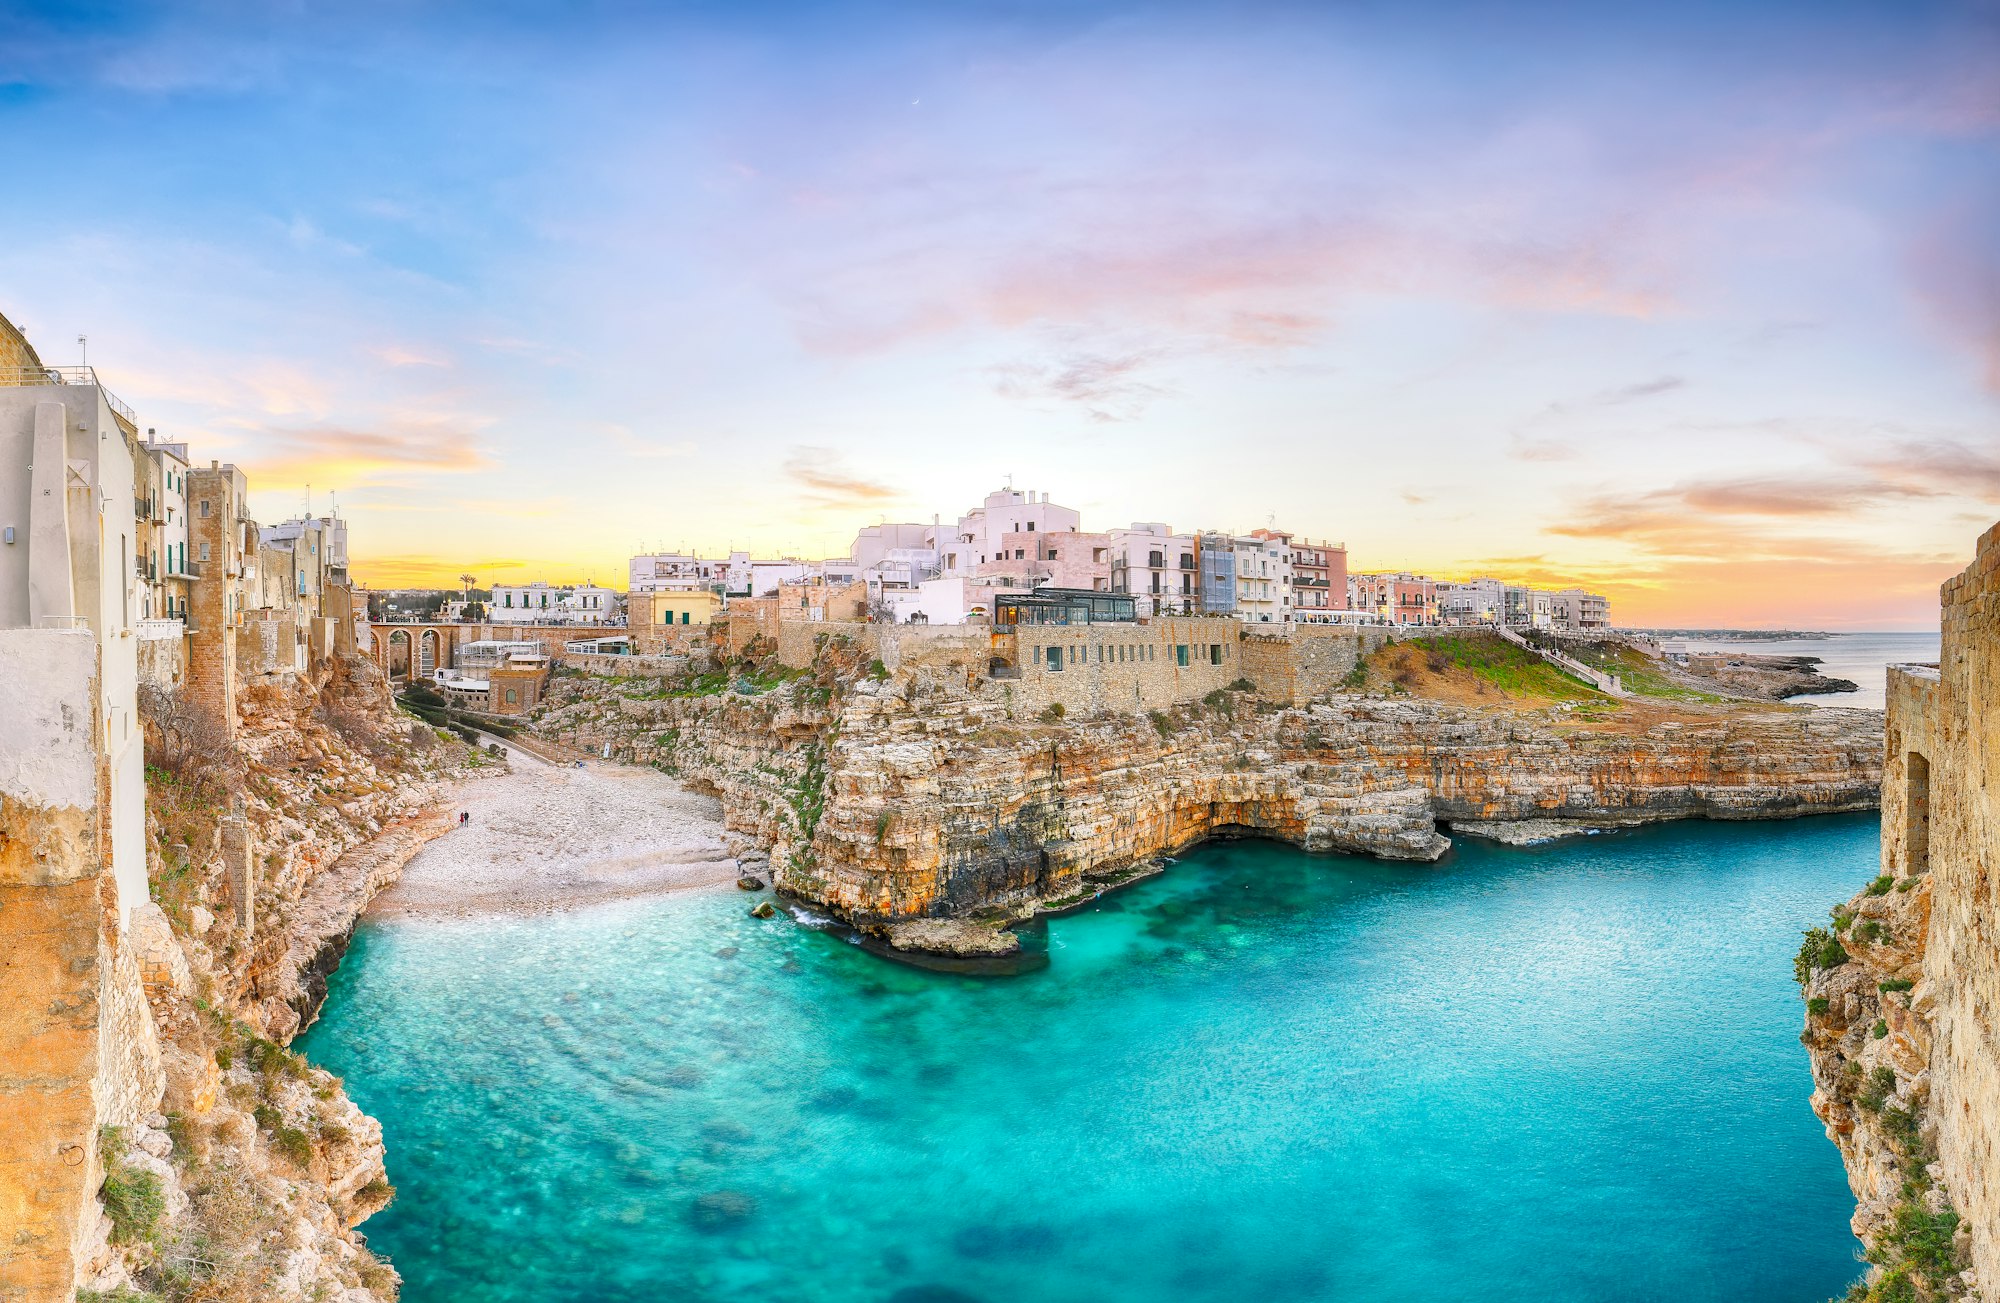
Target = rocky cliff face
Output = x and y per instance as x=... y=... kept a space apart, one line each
x=247 y=1178
x=1901 y=990
x=1870 y=1034
x=916 y=795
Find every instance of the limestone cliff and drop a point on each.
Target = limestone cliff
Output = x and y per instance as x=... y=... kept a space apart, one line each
x=895 y=796
x=246 y=1179
x=1901 y=989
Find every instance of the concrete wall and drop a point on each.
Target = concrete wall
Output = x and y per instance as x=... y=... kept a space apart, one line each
x=1958 y=739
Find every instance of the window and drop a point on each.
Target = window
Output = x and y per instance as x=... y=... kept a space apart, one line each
x=204 y=508
x=685 y=615
x=204 y=551
x=512 y=696
x=1055 y=658
x=1180 y=653
x=1031 y=527
x=1215 y=653
x=1052 y=554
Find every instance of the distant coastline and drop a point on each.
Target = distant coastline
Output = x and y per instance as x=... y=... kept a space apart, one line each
x=1737 y=635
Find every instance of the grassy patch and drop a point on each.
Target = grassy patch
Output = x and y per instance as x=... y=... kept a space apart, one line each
x=133 y=1198
x=1467 y=663
x=1641 y=675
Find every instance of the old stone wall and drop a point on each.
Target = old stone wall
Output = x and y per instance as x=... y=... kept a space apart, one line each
x=1151 y=665
x=1962 y=959
x=624 y=667
x=800 y=642
x=16 y=353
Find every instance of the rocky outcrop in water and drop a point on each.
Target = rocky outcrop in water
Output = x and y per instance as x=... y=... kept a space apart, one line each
x=923 y=796
x=1768 y=678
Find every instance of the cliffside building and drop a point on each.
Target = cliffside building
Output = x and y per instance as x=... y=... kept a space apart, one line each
x=75 y=1031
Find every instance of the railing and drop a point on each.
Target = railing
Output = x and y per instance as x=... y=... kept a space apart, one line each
x=1609 y=683
x=66 y=375
x=161 y=630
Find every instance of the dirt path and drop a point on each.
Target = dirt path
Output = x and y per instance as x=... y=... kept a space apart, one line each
x=547 y=837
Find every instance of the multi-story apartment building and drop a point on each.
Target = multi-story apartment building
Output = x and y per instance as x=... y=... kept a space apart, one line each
x=1263 y=577
x=72 y=780
x=221 y=537
x=1156 y=566
x=1475 y=601
x=164 y=524
x=1319 y=580
x=1578 y=611
x=673 y=572
x=979 y=537
x=1394 y=597
x=1029 y=559
x=1528 y=608
x=1215 y=573
x=544 y=603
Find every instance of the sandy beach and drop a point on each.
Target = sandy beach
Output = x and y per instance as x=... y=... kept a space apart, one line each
x=545 y=837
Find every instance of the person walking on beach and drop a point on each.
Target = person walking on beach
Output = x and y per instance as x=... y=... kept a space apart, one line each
x=464 y=817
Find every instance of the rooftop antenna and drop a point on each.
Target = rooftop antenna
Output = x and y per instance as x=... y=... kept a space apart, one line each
x=83 y=345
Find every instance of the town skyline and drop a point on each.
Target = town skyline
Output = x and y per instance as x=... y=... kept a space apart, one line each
x=1692 y=311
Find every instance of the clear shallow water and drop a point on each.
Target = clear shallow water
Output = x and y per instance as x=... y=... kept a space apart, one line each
x=1570 y=1073
x=1862 y=658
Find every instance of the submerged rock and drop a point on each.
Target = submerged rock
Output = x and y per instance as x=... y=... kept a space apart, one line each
x=763 y=909
x=952 y=936
x=720 y=1208
x=1529 y=832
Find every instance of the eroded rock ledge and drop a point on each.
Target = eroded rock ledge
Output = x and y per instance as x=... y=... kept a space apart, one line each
x=920 y=796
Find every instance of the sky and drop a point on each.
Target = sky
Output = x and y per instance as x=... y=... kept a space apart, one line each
x=1696 y=304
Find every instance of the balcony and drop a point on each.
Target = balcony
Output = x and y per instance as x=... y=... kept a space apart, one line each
x=164 y=630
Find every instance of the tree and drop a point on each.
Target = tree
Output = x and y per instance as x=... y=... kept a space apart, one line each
x=465 y=584
x=183 y=738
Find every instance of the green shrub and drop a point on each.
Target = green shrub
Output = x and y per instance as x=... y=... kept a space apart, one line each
x=1880 y=1030
x=1242 y=685
x=1052 y=713
x=1881 y=1085
x=1163 y=723
x=225 y=1058
x=293 y=1144
x=1818 y=1005
x=135 y=1202
x=1881 y=885
x=1906 y=884
x=1870 y=930
x=1842 y=920
x=877 y=670
x=1356 y=677
x=1819 y=950
x=1895 y=984
x=122 y=1294
x=1219 y=700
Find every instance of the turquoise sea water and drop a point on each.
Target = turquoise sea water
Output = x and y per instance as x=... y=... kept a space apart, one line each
x=1570 y=1073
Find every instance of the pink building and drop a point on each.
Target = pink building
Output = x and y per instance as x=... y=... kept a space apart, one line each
x=1038 y=558
x=1397 y=597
